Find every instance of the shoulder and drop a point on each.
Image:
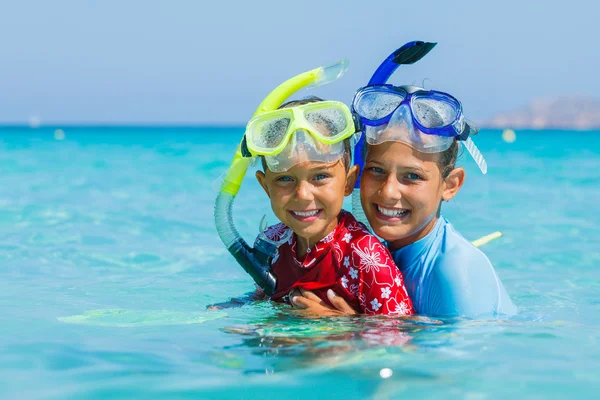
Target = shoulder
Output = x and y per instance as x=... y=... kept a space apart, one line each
x=459 y=258
x=352 y=229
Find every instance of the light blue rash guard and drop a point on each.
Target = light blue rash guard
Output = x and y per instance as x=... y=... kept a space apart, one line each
x=446 y=275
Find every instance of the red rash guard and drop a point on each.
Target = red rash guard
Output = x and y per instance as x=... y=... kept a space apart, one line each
x=350 y=261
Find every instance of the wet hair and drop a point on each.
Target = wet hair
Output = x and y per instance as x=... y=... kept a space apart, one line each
x=346 y=158
x=447 y=159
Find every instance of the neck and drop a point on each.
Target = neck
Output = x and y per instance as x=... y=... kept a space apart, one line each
x=415 y=236
x=304 y=243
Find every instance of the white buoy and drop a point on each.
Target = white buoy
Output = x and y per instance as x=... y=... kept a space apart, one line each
x=509 y=136
x=385 y=373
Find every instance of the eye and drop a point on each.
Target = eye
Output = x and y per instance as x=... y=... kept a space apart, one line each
x=284 y=178
x=376 y=170
x=320 y=177
x=413 y=177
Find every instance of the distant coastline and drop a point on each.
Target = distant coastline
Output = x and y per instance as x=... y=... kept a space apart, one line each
x=568 y=113
x=573 y=112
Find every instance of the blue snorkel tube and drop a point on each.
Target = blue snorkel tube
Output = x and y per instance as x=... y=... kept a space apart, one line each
x=410 y=53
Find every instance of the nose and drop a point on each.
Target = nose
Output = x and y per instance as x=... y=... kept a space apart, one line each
x=304 y=191
x=391 y=189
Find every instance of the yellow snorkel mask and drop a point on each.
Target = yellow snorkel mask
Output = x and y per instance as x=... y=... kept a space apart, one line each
x=255 y=260
x=309 y=132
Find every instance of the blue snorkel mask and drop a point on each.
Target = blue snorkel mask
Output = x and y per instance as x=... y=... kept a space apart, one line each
x=427 y=120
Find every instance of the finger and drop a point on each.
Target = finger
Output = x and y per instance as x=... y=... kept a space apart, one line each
x=301 y=302
x=340 y=303
x=311 y=296
x=295 y=292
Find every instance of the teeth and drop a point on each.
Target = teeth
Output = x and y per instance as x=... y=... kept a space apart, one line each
x=306 y=213
x=393 y=212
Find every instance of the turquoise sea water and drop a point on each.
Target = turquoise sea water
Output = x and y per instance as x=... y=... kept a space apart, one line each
x=108 y=258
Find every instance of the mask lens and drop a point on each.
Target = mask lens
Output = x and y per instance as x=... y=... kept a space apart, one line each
x=268 y=133
x=329 y=122
x=303 y=147
x=377 y=105
x=434 y=112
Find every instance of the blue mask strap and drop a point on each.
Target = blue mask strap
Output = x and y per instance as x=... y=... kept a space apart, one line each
x=410 y=53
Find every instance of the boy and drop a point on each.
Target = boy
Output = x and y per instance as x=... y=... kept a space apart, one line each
x=306 y=181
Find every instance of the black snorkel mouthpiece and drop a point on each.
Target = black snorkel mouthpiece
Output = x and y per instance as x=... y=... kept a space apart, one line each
x=256 y=262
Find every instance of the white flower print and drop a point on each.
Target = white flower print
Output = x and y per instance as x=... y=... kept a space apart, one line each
x=353 y=273
x=402 y=308
x=308 y=264
x=328 y=238
x=369 y=259
x=345 y=281
x=385 y=293
x=347 y=237
x=398 y=281
x=362 y=299
x=276 y=232
x=357 y=226
x=375 y=304
x=347 y=261
x=337 y=251
x=354 y=290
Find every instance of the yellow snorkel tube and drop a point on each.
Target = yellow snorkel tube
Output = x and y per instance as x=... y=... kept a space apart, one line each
x=255 y=260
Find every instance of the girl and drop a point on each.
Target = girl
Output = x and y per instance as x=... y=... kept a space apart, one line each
x=412 y=144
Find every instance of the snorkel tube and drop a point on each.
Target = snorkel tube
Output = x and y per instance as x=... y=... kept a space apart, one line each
x=410 y=53
x=256 y=260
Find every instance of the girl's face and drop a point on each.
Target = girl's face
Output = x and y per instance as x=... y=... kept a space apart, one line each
x=401 y=191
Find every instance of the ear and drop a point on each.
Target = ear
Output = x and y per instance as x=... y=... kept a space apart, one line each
x=262 y=179
x=453 y=183
x=351 y=178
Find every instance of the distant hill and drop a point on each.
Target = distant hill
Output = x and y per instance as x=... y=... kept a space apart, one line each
x=574 y=112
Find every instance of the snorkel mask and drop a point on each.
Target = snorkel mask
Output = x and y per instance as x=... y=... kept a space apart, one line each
x=309 y=132
x=255 y=260
x=429 y=121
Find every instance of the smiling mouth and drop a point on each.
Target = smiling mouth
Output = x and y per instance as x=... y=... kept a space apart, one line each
x=306 y=216
x=391 y=213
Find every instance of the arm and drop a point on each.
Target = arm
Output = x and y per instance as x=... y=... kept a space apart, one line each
x=380 y=282
x=311 y=304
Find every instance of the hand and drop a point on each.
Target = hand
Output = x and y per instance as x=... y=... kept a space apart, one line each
x=312 y=304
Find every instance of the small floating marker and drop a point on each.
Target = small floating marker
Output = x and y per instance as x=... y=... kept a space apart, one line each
x=509 y=136
x=486 y=239
x=385 y=373
x=59 y=134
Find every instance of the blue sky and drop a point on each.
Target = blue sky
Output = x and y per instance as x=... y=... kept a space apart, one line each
x=196 y=62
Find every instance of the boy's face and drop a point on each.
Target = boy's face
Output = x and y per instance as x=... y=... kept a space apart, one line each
x=308 y=197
